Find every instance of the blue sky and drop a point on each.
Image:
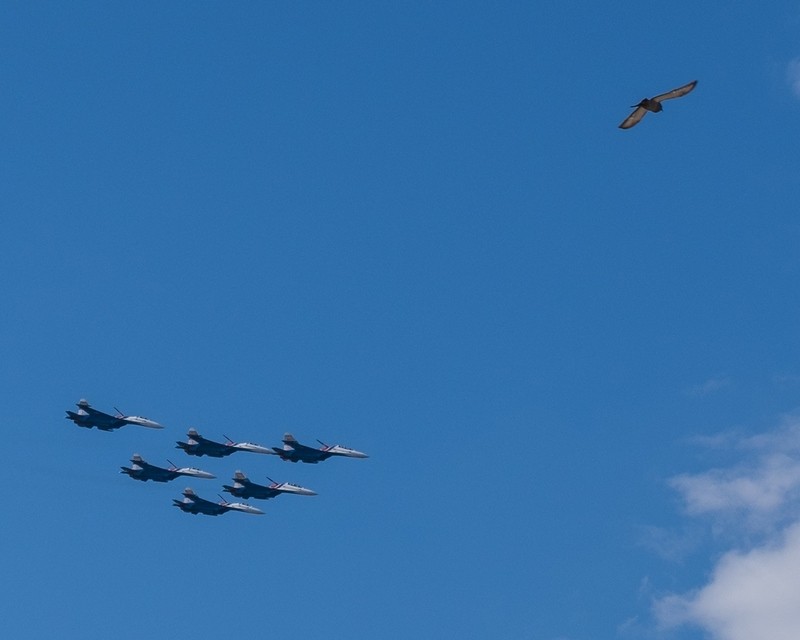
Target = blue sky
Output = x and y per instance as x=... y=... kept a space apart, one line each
x=571 y=351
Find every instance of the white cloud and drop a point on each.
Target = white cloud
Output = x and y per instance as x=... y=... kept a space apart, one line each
x=786 y=379
x=669 y=544
x=793 y=76
x=752 y=595
x=753 y=592
x=712 y=385
x=764 y=488
x=760 y=490
x=786 y=438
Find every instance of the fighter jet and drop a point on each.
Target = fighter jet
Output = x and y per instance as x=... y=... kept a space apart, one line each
x=200 y=446
x=144 y=471
x=89 y=417
x=243 y=488
x=194 y=504
x=654 y=104
x=293 y=451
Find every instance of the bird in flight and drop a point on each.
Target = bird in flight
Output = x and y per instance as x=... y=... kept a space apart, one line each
x=654 y=104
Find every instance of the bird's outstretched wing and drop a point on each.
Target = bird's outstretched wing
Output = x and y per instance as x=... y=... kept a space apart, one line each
x=676 y=93
x=638 y=114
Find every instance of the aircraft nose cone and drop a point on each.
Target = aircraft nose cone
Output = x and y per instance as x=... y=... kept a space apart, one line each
x=254 y=448
x=246 y=508
x=144 y=422
x=345 y=451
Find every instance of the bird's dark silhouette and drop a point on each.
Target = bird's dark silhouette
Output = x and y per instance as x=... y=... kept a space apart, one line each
x=654 y=104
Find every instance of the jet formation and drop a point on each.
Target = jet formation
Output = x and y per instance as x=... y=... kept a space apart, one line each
x=197 y=445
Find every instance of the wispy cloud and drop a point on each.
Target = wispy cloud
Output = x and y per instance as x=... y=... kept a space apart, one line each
x=793 y=76
x=712 y=385
x=669 y=544
x=786 y=379
x=760 y=489
x=754 y=589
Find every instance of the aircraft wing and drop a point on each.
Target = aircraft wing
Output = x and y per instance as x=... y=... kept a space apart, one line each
x=94 y=418
x=94 y=412
x=305 y=449
x=260 y=492
x=202 y=502
x=197 y=445
x=159 y=474
x=207 y=506
x=215 y=449
x=101 y=419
